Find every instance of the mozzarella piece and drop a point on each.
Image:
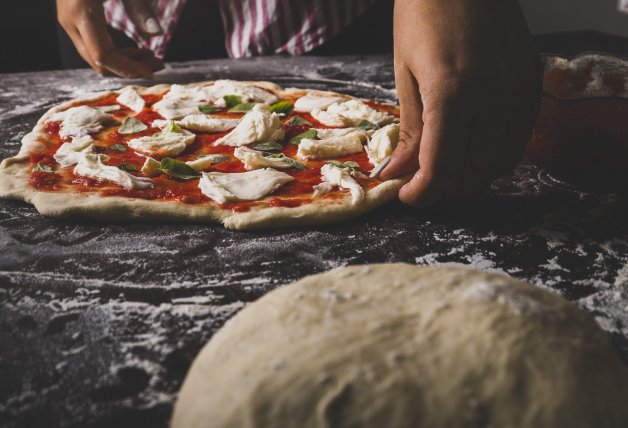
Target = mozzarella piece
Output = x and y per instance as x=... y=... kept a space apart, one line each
x=258 y=125
x=201 y=123
x=131 y=99
x=351 y=113
x=383 y=143
x=151 y=167
x=253 y=159
x=162 y=144
x=357 y=111
x=309 y=102
x=334 y=176
x=80 y=121
x=329 y=118
x=324 y=133
x=69 y=153
x=180 y=101
x=330 y=147
x=162 y=123
x=90 y=165
x=242 y=186
x=247 y=92
x=203 y=162
x=322 y=188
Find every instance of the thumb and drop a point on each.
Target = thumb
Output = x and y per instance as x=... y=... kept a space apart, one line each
x=405 y=158
x=142 y=15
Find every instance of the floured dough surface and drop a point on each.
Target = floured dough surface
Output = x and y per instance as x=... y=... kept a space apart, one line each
x=404 y=346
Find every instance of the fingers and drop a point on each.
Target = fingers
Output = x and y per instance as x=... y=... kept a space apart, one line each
x=405 y=158
x=446 y=130
x=84 y=21
x=82 y=50
x=66 y=15
x=98 y=44
x=143 y=16
x=145 y=56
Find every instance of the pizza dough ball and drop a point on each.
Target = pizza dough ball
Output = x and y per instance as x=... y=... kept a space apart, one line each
x=404 y=346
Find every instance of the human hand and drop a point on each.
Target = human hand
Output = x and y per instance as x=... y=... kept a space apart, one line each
x=84 y=21
x=469 y=84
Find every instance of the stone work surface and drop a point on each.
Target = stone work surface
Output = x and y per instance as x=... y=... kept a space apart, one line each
x=100 y=321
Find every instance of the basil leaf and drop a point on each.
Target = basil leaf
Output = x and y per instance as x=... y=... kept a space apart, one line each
x=207 y=108
x=367 y=126
x=336 y=163
x=241 y=108
x=232 y=100
x=107 y=109
x=172 y=128
x=42 y=168
x=220 y=158
x=118 y=148
x=284 y=107
x=131 y=125
x=267 y=146
x=310 y=133
x=345 y=165
x=351 y=165
x=178 y=169
x=293 y=163
x=298 y=121
x=128 y=167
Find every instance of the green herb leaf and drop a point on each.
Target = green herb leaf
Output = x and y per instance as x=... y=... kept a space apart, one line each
x=298 y=121
x=107 y=109
x=207 y=108
x=367 y=126
x=128 y=167
x=310 y=133
x=172 y=127
x=351 y=165
x=267 y=146
x=345 y=165
x=178 y=169
x=118 y=148
x=220 y=158
x=293 y=163
x=131 y=125
x=284 y=107
x=232 y=100
x=42 y=168
x=241 y=108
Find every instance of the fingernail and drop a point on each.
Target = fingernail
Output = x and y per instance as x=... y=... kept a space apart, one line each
x=153 y=26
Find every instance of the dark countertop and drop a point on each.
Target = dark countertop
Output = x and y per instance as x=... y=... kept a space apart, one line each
x=99 y=321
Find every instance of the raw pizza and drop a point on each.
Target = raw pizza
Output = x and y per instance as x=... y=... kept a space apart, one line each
x=247 y=154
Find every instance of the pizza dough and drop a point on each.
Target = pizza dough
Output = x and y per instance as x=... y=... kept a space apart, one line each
x=58 y=190
x=404 y=346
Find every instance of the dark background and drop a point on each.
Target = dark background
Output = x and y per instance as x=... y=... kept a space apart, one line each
x=28 y=39
x=31 y=40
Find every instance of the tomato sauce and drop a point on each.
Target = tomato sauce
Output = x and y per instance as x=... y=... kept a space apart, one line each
x=113 y=144
x=44 y=180
x=288 y=203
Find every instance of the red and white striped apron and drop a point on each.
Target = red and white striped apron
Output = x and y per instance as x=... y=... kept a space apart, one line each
x=253 y=27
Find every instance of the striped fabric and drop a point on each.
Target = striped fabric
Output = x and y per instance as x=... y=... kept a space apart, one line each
x=253 y=27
